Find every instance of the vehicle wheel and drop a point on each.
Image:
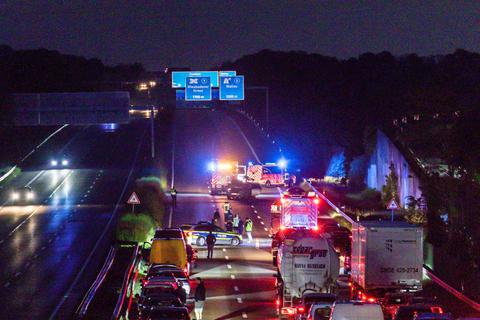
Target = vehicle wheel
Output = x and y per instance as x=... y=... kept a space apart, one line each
x=235 y=241
x=201 y=241
x=268 y=184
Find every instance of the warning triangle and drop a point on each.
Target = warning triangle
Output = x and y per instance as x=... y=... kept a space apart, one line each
x=133 y=199
x=393 y=205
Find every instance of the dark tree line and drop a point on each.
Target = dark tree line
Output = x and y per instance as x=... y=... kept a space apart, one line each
x=45 y=70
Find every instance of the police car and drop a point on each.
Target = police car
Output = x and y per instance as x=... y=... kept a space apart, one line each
x=197 y=234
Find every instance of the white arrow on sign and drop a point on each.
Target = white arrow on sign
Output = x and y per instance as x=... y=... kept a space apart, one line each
x=133 y=199
x=392 y=205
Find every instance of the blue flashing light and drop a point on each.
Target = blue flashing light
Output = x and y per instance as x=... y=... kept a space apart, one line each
x=282 y=163
x=250 y=163
x=211 y=166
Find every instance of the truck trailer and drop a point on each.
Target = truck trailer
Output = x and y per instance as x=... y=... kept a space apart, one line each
x=306 y=263
x=386 y=257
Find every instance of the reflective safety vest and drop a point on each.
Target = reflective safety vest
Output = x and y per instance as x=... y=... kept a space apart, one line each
x=249 y=226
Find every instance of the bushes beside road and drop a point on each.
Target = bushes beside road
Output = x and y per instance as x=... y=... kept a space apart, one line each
x=140 y=226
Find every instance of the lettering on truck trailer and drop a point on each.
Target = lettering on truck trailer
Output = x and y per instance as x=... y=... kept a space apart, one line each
x=309 y=266
x=321 y=253
x=399 y=270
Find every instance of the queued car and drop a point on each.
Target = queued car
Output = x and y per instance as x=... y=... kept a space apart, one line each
x=357 y=310
x=160 y=270
x=169 y=313
x=197 y=234
x=316 y=306
x=23 y=194
x=156 y=300
x=408 y=312
x=391 y=302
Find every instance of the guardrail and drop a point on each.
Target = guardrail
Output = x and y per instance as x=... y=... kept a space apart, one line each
x=475 y=305
x=126 y=284
x=9 y=172
x=330 y=203
x=88 y=298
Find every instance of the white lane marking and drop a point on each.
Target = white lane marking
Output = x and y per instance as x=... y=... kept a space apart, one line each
x=257 y=244
x=244 y=315
x=18 y=274
x=226 y=258
x=43 y=248
x=35 y=178
x=262 y=223
x=229 y=266
x=224 y=250
x=6 y=285
x=239 y=300
x=235 y=288
x=252 y=206
x=259 y=217
x=255 y=211
x=232 y=276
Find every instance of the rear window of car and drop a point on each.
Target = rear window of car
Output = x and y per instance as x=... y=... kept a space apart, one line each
x=168 y=234
x=176 y=273
x=322 y=313
x=408 y=312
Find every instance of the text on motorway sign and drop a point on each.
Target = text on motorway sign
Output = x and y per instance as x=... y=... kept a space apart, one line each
x=198 y=89
x=232 y=88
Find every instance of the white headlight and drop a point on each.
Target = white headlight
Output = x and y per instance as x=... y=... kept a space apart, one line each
x=30 y=195
x=15 y=196
x=54 y=163
x=64 y=162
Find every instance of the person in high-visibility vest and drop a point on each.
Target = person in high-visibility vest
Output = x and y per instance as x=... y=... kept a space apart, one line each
x=226 y=206
x=249 y=229
x=173 y=194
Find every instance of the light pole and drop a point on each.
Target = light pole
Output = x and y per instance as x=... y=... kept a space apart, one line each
x=267 y=104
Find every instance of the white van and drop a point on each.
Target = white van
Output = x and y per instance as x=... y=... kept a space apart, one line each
x=356 y=310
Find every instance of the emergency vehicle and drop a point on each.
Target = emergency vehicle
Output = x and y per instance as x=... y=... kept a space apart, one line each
x=222 y=175
x=299 y=209
x=268 y=174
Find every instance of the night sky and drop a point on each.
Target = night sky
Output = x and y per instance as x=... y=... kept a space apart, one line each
x=204 y=33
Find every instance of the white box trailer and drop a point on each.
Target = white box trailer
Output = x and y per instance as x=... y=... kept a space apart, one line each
x=306 y=262
x=386 y=256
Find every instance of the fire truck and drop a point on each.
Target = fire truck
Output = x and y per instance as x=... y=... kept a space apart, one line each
x=222 y=173
x=297 y=209
x=269 y=174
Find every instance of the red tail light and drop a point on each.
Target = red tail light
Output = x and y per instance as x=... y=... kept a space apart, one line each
x=316 y=201
x=277 y=302
x=300 y=309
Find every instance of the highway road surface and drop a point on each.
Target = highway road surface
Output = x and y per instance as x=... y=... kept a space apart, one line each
x=239 y=280
x=52 y=248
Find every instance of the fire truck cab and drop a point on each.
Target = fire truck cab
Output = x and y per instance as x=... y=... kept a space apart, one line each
x=222 y=175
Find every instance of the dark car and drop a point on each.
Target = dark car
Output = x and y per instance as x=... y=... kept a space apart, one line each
x=240 y=190
x=147 y=303
x=408 y=312
x=159 y=270
x=168 y=313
